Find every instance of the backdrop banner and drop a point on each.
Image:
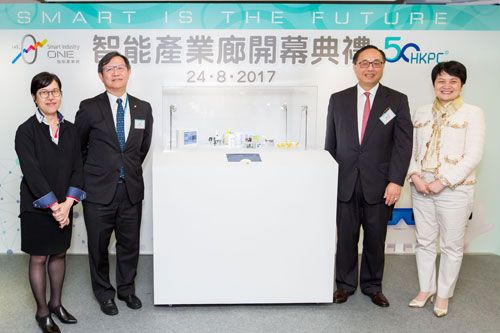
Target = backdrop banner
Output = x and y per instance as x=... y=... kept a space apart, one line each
x=247 y=45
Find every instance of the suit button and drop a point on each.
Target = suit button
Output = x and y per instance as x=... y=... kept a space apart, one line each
x=355 y=169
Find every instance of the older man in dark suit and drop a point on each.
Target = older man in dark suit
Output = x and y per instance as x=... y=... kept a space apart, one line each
x=369 y=134
x=115 y=129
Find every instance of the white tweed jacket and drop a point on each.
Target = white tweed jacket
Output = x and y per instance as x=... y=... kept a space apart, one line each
x=460 y=148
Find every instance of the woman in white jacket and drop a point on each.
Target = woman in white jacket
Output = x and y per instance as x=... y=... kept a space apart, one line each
x=448 y=141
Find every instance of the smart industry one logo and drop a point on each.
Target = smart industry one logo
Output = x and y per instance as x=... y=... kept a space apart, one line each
x=410 y=52
x=29 y=44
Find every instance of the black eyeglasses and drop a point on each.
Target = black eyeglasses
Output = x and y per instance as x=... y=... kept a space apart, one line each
x=374 y=63
x=45 y=93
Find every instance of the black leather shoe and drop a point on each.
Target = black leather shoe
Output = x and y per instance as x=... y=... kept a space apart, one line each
x=379 y=299
x=341 y=295
x=63 y=315
x=132 y=301
x=47 y=324
x=109 y=307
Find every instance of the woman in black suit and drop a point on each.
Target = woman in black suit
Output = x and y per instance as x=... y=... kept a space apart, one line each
x=49 y=155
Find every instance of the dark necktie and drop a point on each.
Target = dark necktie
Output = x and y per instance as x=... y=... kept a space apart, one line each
x=120 y=130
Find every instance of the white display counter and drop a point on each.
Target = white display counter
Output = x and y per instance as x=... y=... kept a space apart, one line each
x=244 y=232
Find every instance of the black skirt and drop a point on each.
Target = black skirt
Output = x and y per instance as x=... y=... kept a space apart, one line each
x=41 y=235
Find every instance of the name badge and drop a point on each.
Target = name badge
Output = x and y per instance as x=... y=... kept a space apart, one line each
x=139 y=123
x=387 y=116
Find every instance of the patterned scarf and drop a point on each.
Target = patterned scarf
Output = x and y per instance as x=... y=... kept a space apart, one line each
x=441 y=113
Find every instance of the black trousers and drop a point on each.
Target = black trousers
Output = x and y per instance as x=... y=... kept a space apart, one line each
x=351 y=216
x=124 y=218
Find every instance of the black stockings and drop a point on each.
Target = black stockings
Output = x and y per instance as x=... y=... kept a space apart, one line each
x=37 y=273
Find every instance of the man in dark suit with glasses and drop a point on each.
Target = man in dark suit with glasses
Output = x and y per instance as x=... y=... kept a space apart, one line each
x=369 y=134
x=115 y=129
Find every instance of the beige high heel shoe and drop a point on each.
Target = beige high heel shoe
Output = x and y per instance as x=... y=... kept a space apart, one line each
x=439 y=312
x=415 y=303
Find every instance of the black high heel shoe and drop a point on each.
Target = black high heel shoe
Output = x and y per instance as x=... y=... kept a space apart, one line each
x=47 y=324
x=63 y=315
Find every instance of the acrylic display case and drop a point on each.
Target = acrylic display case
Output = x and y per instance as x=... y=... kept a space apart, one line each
x=236 y=218
x=239 y=117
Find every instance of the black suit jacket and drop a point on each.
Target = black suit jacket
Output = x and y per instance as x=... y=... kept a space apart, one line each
x=101 y=152
x=384 y=154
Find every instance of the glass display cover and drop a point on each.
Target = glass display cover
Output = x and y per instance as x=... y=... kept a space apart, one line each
x=239 y=117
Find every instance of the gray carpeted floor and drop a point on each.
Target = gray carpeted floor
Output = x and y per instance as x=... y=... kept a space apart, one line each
x=474 y=308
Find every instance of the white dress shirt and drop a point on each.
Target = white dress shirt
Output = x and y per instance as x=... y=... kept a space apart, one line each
x=126 y=108
x=41 y=119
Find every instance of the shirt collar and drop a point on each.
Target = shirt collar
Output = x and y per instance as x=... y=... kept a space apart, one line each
x=372 y=91
x=113 y=98
x=41 y=118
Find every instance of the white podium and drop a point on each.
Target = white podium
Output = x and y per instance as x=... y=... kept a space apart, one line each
x=244 y=232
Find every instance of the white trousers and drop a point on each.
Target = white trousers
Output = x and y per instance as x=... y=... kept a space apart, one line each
x=445 y=216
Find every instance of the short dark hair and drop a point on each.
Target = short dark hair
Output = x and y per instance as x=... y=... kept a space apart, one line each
x=42 y=80
x=107 y=58
x=364 y=48
x=452 y=67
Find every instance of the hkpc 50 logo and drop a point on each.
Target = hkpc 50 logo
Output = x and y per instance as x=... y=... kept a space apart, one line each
x=410 y=52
